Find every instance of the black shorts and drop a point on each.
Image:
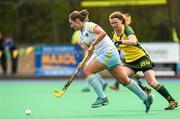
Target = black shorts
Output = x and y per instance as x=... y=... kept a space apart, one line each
x=142 y=64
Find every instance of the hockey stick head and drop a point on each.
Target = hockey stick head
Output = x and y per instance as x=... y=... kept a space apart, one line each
x=58 y=93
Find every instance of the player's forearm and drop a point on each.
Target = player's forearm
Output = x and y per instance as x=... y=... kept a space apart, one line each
x=132 y=40
x=129 y=42
x=99 y=37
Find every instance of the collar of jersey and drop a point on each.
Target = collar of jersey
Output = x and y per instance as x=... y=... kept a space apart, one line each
x=123 y=27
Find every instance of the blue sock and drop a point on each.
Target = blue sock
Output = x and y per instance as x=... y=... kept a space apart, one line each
x=95 y=84
x=87 y=85
x=133 y=86
x=101 y=80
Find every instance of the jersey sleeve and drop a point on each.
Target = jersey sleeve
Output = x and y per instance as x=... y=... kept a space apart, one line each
x=90 y=26
x=128 y=31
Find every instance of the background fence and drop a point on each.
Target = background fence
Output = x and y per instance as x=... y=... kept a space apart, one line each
x=61 y=60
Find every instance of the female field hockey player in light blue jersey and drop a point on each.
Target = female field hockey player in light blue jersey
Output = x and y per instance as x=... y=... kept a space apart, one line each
x=107 y=57
x=87 y=88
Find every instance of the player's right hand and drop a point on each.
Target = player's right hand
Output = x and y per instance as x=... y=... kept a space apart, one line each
x=90 y=50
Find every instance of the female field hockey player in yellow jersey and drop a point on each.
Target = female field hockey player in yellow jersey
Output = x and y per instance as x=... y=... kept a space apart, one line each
x=136 y=77
x=107 y=57
x=136 y=57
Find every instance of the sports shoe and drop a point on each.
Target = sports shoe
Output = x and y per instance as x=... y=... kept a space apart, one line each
x=100 y=102
x=148 y=103
x=114 y=88
x=172 y=105
x=86 y=90
x=104 y=86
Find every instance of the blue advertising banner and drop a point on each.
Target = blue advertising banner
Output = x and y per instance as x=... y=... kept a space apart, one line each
x=57 y=60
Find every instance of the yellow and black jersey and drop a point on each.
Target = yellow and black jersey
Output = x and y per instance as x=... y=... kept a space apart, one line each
x=132 y=52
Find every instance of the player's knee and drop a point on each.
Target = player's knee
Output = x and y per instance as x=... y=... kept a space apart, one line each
x=124 y=80
x=152 y=84
x=87 y=72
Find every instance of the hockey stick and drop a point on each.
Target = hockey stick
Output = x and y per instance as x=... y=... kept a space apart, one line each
x=62 y=91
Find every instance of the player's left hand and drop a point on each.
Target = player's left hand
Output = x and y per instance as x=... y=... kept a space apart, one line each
x=80 y=65
x=90 y=50
x=117 y=43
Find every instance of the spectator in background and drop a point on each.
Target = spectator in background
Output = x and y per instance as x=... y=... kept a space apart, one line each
x=2 y=53
x=8 y=49
x=75 y=38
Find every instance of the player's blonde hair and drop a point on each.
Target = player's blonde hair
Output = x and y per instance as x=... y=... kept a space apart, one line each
x=82 y=15
x=126 y=18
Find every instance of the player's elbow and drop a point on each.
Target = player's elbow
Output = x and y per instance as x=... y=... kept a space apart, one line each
x=103 y=34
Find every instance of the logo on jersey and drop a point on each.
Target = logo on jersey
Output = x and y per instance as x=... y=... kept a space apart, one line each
x=86 y=34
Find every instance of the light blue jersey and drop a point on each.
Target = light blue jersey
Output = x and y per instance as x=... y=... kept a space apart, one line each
x=105 y=51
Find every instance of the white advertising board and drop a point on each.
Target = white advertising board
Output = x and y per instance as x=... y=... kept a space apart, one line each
x=163 y=52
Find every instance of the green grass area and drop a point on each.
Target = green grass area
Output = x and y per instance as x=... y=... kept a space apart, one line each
x=16 y=96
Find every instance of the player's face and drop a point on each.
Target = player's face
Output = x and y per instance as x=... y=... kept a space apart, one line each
x=75 y=24
x=115 y=23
